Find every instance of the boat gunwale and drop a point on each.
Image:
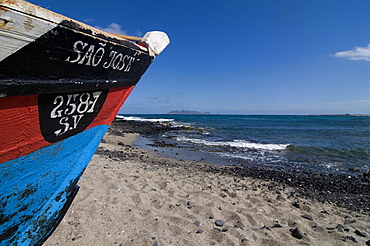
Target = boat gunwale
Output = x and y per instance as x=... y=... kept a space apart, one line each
x=93 y=31
x=32 y=85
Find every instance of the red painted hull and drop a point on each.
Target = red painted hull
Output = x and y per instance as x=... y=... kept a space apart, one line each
x=61 y=85
x=20 y=123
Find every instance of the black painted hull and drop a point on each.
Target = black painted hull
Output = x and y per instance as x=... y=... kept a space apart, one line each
x=70 y=57
x=61 y=85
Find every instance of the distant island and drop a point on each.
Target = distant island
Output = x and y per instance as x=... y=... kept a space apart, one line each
x=188 y=112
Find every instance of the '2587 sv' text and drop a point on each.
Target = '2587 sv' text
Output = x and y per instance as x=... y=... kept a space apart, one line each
x=70 y=109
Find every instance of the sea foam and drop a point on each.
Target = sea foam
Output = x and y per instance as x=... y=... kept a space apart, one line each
x=241 y=144
x=133 y=118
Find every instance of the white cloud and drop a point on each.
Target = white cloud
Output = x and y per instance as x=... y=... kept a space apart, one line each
x=358 y=53
x=112 y=28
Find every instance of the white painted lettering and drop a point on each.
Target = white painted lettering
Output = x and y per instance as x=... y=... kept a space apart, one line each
x=128 y=67
x=64 y=122
x=55 y=113
x=96 y=96
x=71 y=108
x=79 y=52
x=89 y=55
x=98 y=56
x=113 y=55
x=117 y=61
x=76 y=120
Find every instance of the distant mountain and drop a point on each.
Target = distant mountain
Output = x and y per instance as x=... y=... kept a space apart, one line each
x=187 y=112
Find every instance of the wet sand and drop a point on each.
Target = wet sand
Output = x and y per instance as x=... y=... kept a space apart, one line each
x=133 y=196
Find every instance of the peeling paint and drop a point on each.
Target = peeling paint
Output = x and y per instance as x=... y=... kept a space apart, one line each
x=28 y=26
x=39 y=177
x=3 y=8
x=28 y=191
x=4 y=24
x=32 y=209
x=10 y=2
x=8 y=233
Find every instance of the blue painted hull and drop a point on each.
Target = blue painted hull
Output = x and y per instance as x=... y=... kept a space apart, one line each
x=36 y=188
x=61 y=85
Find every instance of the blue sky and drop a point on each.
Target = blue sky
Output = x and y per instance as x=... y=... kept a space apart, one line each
x=244 y=56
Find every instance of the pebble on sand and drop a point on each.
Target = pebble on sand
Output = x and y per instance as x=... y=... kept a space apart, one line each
x=297 y=233
x=307 y=216
x=219 y=223
x=360 y=233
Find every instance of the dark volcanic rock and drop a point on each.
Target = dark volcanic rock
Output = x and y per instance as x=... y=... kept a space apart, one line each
x=297 y=233
x=367 y=174
x=360 y=233
x=307 y=216
x=349 y=238
x=219 y=223
x=351 y=192
x=190 y=203
x=339 y=228
x=277 y=226
x=141 y=127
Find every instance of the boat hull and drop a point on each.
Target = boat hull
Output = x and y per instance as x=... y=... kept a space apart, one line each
x=37 y=188
x=63 y=56
x=61 y=85
x=39 y=177
x=28 y=123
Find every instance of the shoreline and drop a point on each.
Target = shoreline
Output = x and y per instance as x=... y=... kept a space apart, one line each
x=135 y=196
x=348 y=191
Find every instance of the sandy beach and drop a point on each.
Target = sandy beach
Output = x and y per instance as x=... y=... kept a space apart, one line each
x=133 y=196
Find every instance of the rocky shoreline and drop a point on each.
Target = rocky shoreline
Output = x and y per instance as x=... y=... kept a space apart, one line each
x=349 y=191
x=130 y=195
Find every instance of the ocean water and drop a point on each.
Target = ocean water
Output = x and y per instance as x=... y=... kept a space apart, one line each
x=324 y=143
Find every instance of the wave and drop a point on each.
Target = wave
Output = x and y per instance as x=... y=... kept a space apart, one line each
x=133 y=118
x=241 y=144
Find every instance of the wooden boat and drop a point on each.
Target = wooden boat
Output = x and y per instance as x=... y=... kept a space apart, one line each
x=61 y=85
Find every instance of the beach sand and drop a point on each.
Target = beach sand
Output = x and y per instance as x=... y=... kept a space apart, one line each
x=132 y=196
